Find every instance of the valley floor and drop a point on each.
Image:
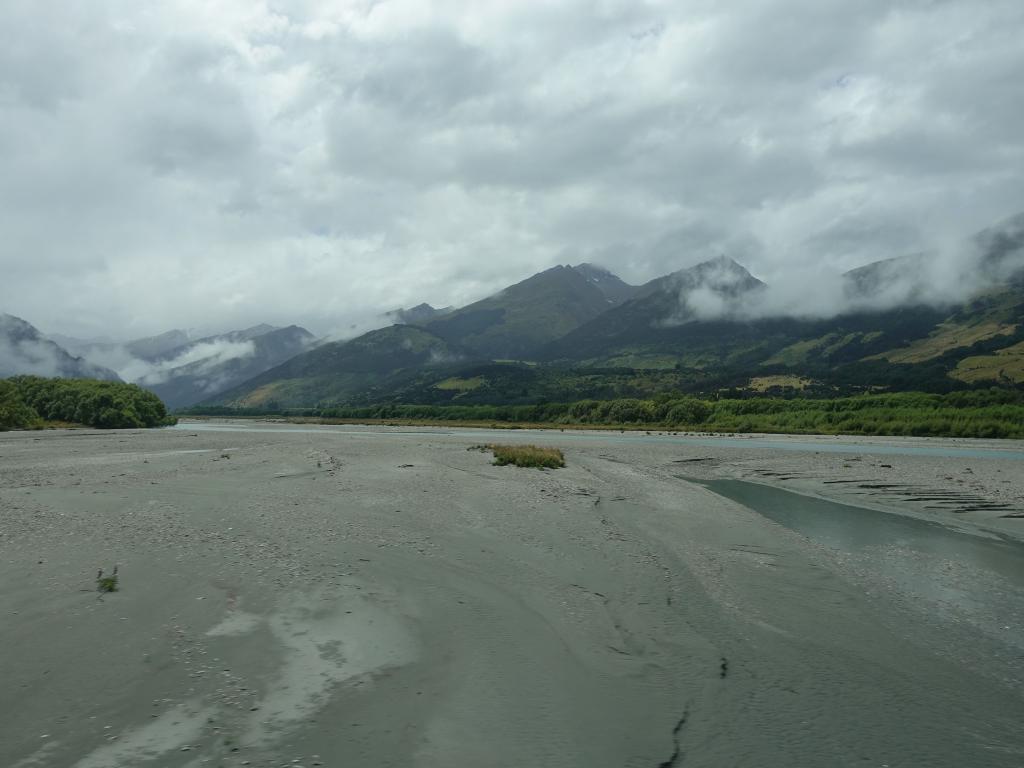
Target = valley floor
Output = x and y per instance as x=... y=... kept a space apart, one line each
x=354 y=596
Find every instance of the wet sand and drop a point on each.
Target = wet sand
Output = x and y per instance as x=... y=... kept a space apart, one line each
x=372 y=597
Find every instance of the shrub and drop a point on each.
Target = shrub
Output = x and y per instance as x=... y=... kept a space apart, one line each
x=526 y=456
x=106 y=583
x=688 y=411
x=103 y=404
x=14 y=413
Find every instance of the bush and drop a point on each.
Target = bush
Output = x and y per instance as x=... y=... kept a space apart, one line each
x=103 y=404
x=14 y=414
x=689 y=411
x=526 y=456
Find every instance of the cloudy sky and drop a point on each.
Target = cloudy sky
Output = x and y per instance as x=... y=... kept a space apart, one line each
x=217 y=164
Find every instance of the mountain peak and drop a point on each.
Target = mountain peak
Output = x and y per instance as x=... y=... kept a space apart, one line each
x=515 y=321
x=417 y=315
x=721 y=262
x=720 y=274
x=258 y=330
x=615 y=289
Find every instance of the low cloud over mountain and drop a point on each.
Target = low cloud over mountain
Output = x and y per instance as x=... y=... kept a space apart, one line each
x=319 y=163
x=24 y=350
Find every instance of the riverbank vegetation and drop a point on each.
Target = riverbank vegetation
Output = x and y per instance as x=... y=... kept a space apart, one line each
x=28 y=402
x=525 y=456
x=989 y=413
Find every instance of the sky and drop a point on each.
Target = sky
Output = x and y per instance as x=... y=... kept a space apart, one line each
x=213 y=165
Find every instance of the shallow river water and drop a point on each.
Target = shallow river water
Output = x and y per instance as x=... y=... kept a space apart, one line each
x=954 y=573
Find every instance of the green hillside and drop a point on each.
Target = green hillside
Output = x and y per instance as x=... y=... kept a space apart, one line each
x=195 y=381
x=907 y=349
x=375 y=362
x=513 y=324
x=575 y=333
x=916 y=346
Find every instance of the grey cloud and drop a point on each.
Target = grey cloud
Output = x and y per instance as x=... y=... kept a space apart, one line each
x=29 y=357
x=184 y=113
x=201 y=359
x=313 y=163
x=429 y=73
x=46 y=52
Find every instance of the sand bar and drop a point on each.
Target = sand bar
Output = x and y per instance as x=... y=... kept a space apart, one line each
x=372 y=596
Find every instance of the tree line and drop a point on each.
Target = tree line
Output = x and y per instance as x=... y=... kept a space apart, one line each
x=32 y=401
x=991 y=413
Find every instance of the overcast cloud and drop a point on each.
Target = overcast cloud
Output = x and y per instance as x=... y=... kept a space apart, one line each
x=215 y=165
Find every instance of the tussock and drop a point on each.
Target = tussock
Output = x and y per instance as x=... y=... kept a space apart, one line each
x=525 y=456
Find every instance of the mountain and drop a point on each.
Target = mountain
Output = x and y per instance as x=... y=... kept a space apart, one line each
x=157 y=347
x=1001 y=249
x=194 y=348
x=183 y=370
x=79 y=347
x=517 y=321
x=343 y=370
x=903 y=279
x=149 y=348
x=129 y=358
x=687 y=322
x=704 y=328
x=978 y=343
x=201 y=368
x=720 y=275
x=418 y=315
x=649 y=330
x=615 y=290
x=24 y=350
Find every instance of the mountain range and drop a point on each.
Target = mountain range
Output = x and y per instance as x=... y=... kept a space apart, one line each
x=181 y=369
x=24 y=350
x=205 y=367
x=572 y=332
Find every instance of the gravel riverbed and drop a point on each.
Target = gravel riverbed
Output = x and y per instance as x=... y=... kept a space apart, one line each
x=357 y=596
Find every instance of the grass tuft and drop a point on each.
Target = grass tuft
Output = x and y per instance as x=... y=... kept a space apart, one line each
x=525 y=456
x=106 y=583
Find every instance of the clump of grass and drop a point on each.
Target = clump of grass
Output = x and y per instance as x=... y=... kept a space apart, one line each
x=525 y=456
x=106 y=583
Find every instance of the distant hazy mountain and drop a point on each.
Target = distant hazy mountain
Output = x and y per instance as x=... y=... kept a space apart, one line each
x=337 y=371
x=24 y=350
x=185 y=349
x=900 y=280
x=79 y=347
x=720 y=275
x=157 y=347
x=202 y=368
x=515 y=322
x=183 y=369
x=124 y=357
x=1002 y=249
x=418 y=315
